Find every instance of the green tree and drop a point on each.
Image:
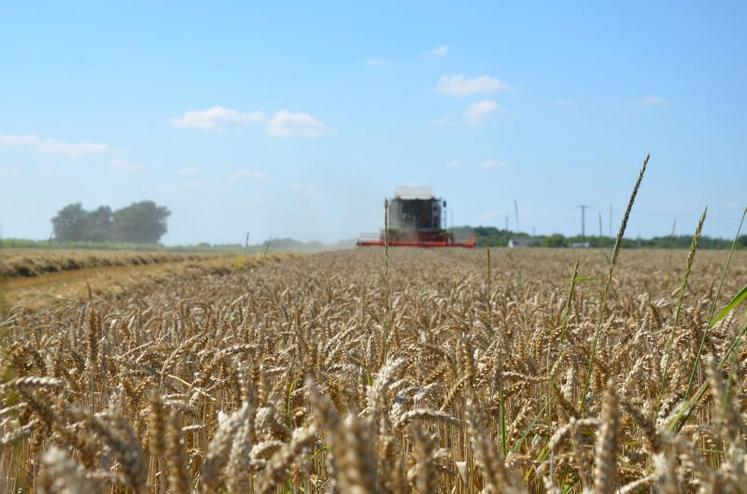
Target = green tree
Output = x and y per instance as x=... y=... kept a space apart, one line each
x=99 y=225
x=140 y=222
x=70 y=223
x=554 y=240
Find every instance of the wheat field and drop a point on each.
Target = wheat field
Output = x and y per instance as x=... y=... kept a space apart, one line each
x=426 y=371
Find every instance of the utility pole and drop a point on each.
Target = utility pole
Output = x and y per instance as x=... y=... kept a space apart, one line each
x=674 y=226
x=516 y=210
x=600 y=223
x=506 y=219
x=583 y=219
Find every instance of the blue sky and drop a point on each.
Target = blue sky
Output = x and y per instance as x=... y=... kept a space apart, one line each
x=297 y=119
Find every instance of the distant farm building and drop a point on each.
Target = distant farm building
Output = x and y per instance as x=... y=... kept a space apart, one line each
x=515 y=243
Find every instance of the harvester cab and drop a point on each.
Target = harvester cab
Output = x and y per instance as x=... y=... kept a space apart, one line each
x=415 y=218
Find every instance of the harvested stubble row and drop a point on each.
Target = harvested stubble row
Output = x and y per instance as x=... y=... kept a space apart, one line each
x=296 y=377
x=25 y=262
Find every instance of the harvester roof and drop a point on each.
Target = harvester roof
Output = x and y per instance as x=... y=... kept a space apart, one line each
x=413 y=192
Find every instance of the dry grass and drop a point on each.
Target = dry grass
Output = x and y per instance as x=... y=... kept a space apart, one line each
x=326 y=374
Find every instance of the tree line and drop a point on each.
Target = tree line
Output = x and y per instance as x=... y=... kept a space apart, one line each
x=140 y=222
x=488 y=236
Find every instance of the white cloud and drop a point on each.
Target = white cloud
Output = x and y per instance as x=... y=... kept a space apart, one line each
x=653 y=100
x=217 y=118
x=438 y=51
x=478 y=112
x=493 y=163
x=377 y=61
x=126 y=166
x=52 y=146
x=287 y=124
x=246 y=174
x=282 y=124
x=455 y=163
x=460 y=85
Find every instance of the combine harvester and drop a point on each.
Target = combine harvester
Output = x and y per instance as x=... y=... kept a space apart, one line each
x=416 y=218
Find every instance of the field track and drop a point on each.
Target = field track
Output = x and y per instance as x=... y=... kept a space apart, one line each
x=43 y=289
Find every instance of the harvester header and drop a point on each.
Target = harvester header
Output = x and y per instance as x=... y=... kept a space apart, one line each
x=415 y=218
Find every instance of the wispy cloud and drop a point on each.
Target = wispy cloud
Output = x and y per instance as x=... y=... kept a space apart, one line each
x=55 y=147
x=217 y=118
x=127 y=167
x=460 y=85
x=653 y=100
x=438 y=51
x=305 y=188
x=281 y=124
x=9 y=170
x=190 y=171
x=287 y=124
x=455 y=164
x=50 y=173
x=477 y=112
x=492 y=164
x=246 y=174
x=191 y=185
x=442 y=122
x=378 y=61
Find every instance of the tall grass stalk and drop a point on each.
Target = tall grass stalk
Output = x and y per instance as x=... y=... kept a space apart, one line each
x=246 y=250
x=489 y=274
x=267 y=246
x=569 y=303
x=386 y=256
x=712 y=310
x=676 y=423
x=3 y=302
x=680 y=299
x=605 y=294
x=502 y=412
x=561 y=355
x=528 y=429
x=501 y=392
